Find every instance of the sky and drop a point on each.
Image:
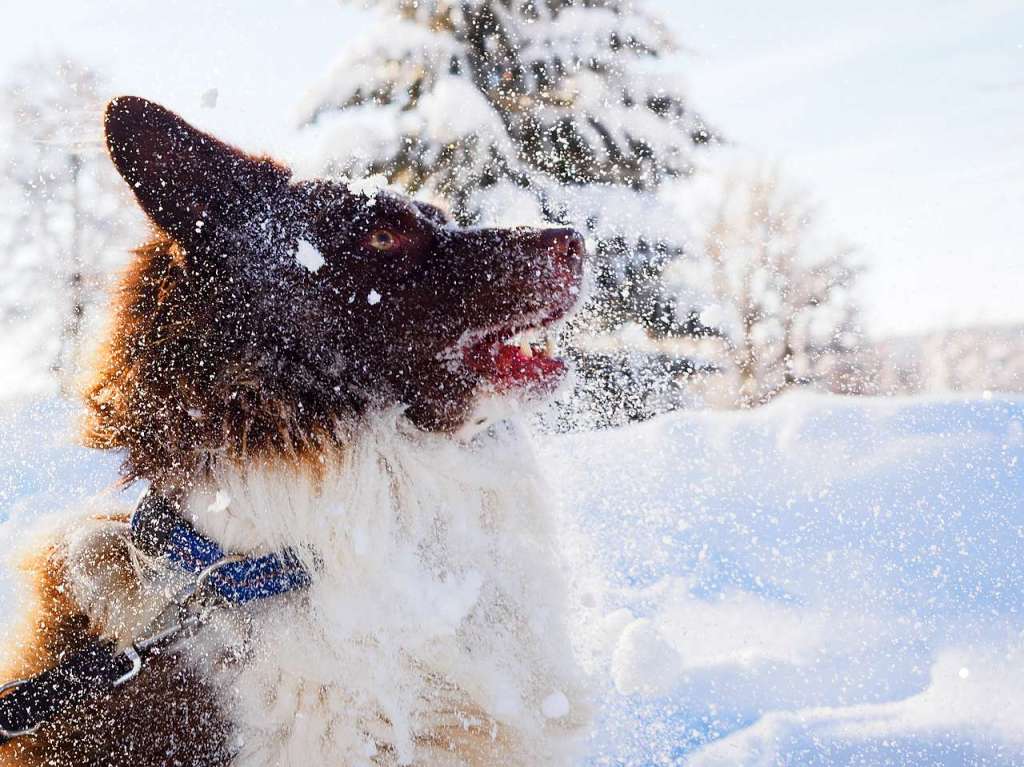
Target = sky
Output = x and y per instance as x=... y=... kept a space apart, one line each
x=906 y=120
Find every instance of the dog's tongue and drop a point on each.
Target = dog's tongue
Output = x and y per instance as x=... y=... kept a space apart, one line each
x=508 y=367
x=513 y=368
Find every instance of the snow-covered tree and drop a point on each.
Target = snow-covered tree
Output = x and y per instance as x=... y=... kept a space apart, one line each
x=64 y=216
x=780 y=282
x=526 y=111
x=484 y=93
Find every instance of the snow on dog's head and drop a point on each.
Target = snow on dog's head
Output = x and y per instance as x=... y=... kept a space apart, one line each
x=267 y=311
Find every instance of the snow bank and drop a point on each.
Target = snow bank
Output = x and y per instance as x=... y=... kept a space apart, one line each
x=43 y=470
x=822 y=582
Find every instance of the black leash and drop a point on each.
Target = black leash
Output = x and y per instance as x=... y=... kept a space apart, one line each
x=221 y=580
x=27 y=703
x=98 y=669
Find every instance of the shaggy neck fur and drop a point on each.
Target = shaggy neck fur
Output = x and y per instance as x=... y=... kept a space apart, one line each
x=435 y=628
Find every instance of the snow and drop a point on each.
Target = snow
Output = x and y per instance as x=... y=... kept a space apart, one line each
x=373 y=298
x=221 y=501
x=454 y=108
x=802 y=584
x=823 y=581
x=369 y=187
x=411 y=97
x=209 y=98
x=308 y=256
x=952 y=721
x=374 y=65
x=641 y=659
x=555 y=705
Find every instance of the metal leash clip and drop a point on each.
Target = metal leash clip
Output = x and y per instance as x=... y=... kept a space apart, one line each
x=8 y=734
x=192 y=607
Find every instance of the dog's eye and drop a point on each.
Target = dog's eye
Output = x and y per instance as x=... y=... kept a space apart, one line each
x=382 y=239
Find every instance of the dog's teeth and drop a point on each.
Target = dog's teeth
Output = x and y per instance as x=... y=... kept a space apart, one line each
x=551 y=346
x=532 y=334
x=525 y=349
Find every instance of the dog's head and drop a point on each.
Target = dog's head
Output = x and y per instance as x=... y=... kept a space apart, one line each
x=312 y=299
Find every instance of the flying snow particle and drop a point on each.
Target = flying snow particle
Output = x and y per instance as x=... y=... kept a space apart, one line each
x=369 y=186
x=643 y=662
x=220 y=502
x=209 y=99
x=308 y=256
x=964 y=672
x=373 y=298
x=555 y=706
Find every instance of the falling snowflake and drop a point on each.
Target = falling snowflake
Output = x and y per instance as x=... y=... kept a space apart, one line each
x=308 y=256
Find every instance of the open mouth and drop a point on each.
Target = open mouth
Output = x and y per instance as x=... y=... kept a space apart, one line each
x=523 y=356
x=518 y=358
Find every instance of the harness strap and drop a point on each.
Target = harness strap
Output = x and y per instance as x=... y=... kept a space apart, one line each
x=223 y=580
x=159 y=530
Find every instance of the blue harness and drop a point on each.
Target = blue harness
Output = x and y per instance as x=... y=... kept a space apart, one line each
x=100 y=668
x=158 y=530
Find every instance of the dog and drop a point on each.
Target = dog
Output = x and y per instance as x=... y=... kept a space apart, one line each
x=329 y=369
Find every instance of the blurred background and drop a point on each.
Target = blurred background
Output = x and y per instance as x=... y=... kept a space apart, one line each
x=816 y=196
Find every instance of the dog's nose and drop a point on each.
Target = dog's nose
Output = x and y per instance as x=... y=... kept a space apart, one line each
x=566 y=245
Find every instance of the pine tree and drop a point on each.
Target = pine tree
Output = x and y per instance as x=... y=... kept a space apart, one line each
x=527 y=111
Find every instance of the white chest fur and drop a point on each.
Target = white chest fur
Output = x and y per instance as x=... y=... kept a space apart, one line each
x=435 y=632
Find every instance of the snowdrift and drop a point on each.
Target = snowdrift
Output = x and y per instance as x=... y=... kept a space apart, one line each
x=821 y=582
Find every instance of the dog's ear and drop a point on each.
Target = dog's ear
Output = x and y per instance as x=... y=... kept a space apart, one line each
x=189 y=184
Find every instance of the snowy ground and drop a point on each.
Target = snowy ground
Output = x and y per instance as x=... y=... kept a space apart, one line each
x=822 y=582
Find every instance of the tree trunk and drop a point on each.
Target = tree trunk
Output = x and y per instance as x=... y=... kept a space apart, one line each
x=71 y=330
x=746 y=364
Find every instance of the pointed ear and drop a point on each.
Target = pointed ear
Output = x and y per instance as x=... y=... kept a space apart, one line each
x=189 y=184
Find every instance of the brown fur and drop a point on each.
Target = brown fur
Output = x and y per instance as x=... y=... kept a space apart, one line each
x=166 y=716
x=169 y=390
x=222 y=345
